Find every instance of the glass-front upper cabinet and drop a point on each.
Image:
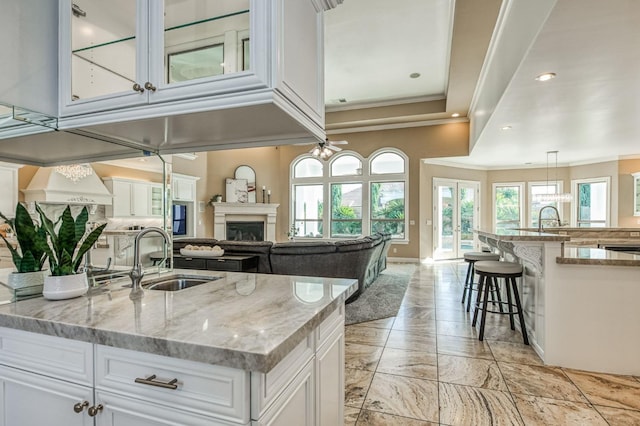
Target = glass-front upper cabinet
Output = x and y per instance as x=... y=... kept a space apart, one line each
x=124 y=53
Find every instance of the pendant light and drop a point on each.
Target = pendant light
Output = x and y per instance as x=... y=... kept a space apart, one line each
x=553 y=197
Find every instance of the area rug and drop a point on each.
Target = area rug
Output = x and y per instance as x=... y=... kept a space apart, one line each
x=383 y=297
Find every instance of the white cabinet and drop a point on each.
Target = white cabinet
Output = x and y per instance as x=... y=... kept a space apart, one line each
x=134 y=198
x=78 y=383
x=184 y=187
x=43 y=379
x=147 y=59
x=30 y=399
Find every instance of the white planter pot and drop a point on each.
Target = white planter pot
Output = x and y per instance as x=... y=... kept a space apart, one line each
x=27 y=283
x=26 y=279
x=65 y=286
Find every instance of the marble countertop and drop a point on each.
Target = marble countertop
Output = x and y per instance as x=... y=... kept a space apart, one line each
x=595 y=256
x=242 y=320
x=521 y=235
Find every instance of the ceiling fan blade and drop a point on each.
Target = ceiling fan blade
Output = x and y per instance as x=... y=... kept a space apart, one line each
x=333 y=148
x=338 y=142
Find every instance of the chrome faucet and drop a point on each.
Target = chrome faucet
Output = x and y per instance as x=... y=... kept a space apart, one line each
x=540 y=229
x=137 y=272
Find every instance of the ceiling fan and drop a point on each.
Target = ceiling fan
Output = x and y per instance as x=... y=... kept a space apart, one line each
x=324 y=150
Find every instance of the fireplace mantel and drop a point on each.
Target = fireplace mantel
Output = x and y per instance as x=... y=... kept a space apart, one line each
x=244 y=212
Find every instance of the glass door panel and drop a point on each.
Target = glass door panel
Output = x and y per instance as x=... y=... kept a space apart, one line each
x=203 y=39
x=455 y=217
x=467 y=203
x=104 y=49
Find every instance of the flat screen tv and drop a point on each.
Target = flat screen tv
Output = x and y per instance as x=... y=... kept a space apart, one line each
x=179 y=219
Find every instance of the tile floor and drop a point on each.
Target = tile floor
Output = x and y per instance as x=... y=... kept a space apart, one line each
x=426 y=367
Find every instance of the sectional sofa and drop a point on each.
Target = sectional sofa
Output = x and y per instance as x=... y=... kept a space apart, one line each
x=362 y=258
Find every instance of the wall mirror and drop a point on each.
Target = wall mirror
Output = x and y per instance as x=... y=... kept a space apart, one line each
x=246 y=172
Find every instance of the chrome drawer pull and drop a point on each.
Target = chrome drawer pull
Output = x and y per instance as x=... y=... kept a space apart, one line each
x=149 y=381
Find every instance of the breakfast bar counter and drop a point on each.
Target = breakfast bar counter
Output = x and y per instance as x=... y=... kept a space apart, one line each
x=580 y=303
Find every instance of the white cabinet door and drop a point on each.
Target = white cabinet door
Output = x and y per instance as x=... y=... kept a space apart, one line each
x=155 y=51
x=140 y=199
x=296 y=405
x=184 y=189
x=122 y=197
x=28 y=399
x=330 y=380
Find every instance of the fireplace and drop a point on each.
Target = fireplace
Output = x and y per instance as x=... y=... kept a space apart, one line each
x=242 y=214
x=245 y=231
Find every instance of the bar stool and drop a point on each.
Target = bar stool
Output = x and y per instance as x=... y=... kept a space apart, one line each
x=491 y=271
x=471 y=258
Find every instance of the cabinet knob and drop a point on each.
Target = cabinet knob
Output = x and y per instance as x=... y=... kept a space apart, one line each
x=80 y=406
x=93 y=411
x=138 y=88
x=150 y=86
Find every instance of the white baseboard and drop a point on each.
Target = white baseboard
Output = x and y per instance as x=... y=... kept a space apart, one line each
x=402 y=260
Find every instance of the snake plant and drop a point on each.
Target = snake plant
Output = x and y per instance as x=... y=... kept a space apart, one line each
x=67 y=240
x=32 y=241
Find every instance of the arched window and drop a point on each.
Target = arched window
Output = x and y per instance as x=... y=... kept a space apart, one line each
x=387 y=187
x=349 y=195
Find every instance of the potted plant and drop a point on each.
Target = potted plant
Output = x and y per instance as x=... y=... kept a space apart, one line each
x=30 y=254
x=216 y=199
x=67 y=244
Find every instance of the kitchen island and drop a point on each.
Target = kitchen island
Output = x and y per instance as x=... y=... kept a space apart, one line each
x=243 y=348
x=581 y=304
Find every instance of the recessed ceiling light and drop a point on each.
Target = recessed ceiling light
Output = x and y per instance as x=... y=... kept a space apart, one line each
x=414 y=75
x=506 y=127
x=546 y=76
x=455 y=115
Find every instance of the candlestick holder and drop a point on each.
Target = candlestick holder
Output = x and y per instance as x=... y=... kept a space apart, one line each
x=268 y=198
x=263 y=196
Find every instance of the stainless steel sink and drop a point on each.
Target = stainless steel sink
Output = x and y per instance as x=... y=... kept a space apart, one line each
x=177 y=282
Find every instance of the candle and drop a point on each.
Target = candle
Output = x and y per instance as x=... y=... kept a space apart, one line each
x=264 y=187
x=269 y=192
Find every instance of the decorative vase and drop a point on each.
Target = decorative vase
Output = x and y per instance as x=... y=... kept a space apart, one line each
x=27 y=283
x=65 y=286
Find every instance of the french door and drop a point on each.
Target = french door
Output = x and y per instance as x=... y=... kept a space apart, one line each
x=456 y=210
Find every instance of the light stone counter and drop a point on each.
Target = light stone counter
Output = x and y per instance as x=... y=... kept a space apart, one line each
x=596 y=256
x=246 y=321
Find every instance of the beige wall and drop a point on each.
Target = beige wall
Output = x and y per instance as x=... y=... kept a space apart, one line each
x=596 y=170
x=626 y=219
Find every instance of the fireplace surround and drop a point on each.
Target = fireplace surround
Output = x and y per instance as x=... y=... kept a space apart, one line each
x=244 y=212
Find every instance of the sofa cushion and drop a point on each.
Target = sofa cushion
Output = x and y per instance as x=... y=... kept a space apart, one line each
x=354 y=245
x=304 y=247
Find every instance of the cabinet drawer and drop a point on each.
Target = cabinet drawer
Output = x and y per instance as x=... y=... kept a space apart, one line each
x=224 y=265
x=51 y=356
x=202 y=389
x=189 y=263
x=265 y=388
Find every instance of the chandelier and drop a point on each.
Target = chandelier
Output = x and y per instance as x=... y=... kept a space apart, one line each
x=74 y=172
x=321 y=151
x=554 y=197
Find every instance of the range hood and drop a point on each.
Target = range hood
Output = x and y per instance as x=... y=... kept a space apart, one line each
x=51 y=186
